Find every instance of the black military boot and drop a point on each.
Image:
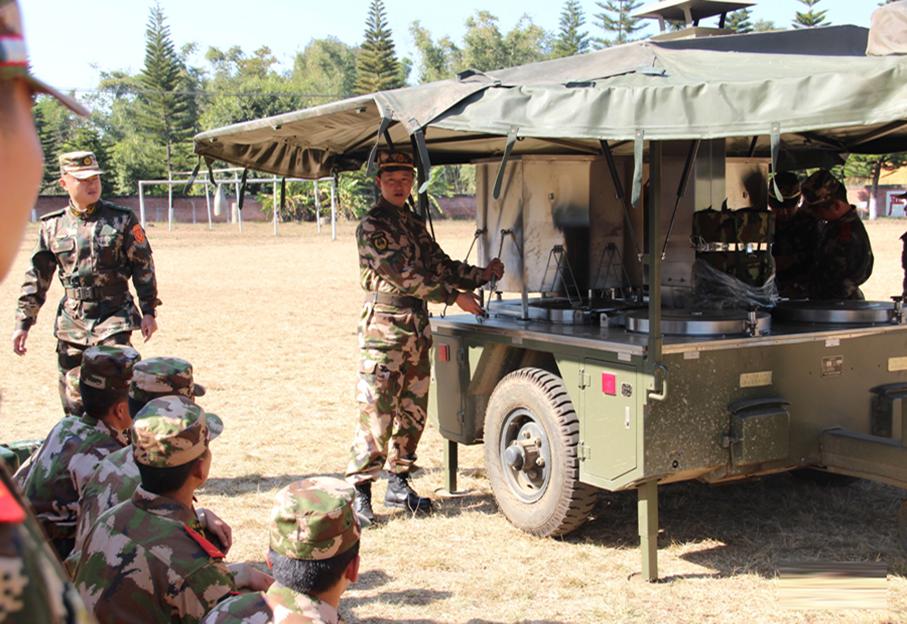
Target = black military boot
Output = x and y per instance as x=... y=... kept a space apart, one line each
x=400 y=494
x=362 y=504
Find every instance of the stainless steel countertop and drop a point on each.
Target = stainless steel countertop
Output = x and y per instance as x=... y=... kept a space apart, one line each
x=619 y=340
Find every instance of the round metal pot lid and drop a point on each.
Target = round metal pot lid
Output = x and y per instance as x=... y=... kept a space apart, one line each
x=704 y=323
x=845 y=312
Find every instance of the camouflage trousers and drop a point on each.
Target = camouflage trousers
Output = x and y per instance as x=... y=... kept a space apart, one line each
x=69 y=355
x=392 y=390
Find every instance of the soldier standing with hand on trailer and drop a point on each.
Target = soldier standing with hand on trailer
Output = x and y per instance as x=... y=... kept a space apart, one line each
x=401 y=268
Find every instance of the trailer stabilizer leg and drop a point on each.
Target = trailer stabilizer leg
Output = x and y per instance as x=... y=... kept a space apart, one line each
x=647 y=513
x=451 y=458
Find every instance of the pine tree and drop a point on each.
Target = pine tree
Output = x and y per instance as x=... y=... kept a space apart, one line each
x=377 y=68
x=615 y=19
x=571 y=40
x=740 y=21
x=811 y=17
x=165 y=109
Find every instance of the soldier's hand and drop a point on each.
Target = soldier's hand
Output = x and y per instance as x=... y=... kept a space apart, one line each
x=495 y=269
x=20 y=336
x=211 y=522
x=469 y=302
x=248 y=576
x=149 y=326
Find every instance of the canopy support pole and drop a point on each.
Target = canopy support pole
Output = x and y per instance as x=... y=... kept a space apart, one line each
x=142 y=204
x=208 y=205
x=334 y=208
x=317 y=207
x=275 y=203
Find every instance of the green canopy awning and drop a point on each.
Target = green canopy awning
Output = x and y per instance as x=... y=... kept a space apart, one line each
x=816 y=86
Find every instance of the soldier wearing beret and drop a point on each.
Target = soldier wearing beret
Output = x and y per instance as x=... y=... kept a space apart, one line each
x=153 y=545
x=96 y=247
x=314 y=555
x=401 y=268
x=844 y=255
x=117 y=476
x=53 y=478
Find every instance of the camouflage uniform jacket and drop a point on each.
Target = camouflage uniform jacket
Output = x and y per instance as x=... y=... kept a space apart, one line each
x=33 y=586
x=843 y=260
x=96 y=255
x=278 y=605
x=145 y=561
x=113 y=481
x=398 y=256
x=794 y=249
x=53 y=479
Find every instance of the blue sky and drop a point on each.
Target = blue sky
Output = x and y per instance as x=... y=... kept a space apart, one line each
x=70 y=42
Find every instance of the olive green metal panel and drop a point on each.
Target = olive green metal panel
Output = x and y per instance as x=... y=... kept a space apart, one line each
x=760 y=436
x=447 y=399
x=609 y=422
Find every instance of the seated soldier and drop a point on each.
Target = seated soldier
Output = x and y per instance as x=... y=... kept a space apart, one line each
x=844 y=254
x=75 y=445
x=796 y=237
x=146 y=560
x=116 y=477
x=314 y=555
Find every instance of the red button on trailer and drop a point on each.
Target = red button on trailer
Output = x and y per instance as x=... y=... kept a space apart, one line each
x=443 y=353
x=609 y=384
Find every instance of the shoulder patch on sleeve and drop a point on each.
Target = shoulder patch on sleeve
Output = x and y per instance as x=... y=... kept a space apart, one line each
x=138 y=234
x=212 y=551
x=379 y=241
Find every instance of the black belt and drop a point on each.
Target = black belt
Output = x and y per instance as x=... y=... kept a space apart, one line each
x=399 y=301
x=97 y=293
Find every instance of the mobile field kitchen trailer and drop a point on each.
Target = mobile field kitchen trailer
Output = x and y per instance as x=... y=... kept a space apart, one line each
x=637 y=338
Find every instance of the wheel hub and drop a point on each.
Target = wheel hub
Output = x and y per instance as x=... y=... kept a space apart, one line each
x=525 y=451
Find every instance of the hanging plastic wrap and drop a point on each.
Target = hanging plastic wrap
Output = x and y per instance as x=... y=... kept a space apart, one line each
x=717 y=290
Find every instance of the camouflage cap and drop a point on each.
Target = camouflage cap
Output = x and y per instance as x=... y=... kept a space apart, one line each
x=821 y=187
x=72 y=399
x=108 y=367
x=313 y=519
x=80 y=165
x=394 y=161
x=163 y=376
x=14 y=56
x=171 y=431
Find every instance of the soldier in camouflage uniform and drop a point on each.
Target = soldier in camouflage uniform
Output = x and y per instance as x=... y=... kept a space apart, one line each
x=33 y=586
x=314 y=536
x=97 y=248
x=844 y=256
x=116 y=477
x=401 y=267
x=796 y=237
x=54 y=477
x=165 y=570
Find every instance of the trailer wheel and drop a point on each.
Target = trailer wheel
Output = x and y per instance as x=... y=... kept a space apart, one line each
x=902 y=525
x=531 y=438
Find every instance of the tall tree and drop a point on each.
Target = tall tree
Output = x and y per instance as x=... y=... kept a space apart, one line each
x=617 y=22
x=740 y=21
x=165 y=108
x=764 y=26
x=811 y=16
x=437 y=60
x=377 y=67
x=571 y=39
x=485 y=48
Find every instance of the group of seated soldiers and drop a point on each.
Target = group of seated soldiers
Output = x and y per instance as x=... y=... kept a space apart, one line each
x=821 y=249
x=113 y=487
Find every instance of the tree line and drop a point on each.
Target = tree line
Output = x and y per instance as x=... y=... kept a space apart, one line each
x=142 y=123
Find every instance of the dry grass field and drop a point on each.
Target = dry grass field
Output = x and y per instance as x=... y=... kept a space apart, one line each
x=270 y=324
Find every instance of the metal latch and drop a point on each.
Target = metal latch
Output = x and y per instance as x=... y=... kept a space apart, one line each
x=584 y=452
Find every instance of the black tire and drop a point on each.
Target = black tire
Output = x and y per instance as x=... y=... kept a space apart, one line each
x=534 y=401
